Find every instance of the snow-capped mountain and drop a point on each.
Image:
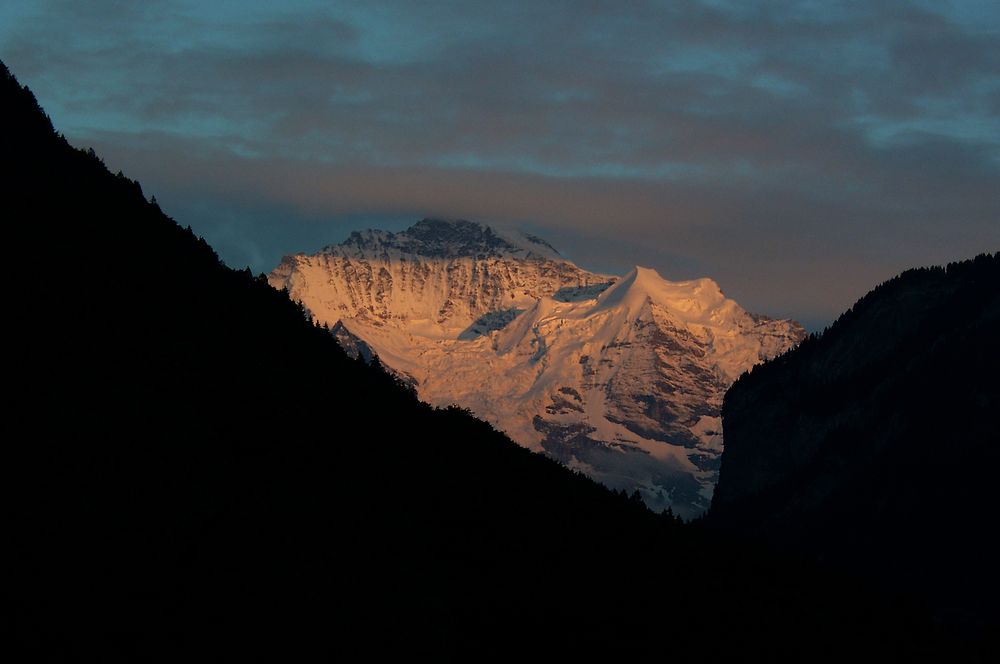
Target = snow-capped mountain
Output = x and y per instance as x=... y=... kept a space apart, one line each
x=619 y=377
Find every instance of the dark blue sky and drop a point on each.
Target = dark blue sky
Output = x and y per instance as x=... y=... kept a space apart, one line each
x=798 y=153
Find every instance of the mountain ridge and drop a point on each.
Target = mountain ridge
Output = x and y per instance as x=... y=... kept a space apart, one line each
x=471 y=318
x=432 y=237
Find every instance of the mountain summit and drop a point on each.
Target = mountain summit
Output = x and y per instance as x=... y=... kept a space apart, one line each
x=621 y=378
x=439 y=238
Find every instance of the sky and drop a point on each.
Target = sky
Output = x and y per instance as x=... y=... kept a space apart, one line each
x=798 y=153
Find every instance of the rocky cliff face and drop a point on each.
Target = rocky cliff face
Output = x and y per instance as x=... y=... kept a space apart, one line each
x=445 y=278
x=619 y=377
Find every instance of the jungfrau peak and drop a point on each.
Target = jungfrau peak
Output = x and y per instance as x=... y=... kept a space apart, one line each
x=619 y=377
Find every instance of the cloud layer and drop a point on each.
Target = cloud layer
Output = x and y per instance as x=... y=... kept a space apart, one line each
x=794 y=152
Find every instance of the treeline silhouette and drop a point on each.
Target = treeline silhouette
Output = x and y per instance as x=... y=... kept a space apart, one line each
x=197 y=471
x=875 y=446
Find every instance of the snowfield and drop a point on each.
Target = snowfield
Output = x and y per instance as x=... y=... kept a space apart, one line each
x=619 y=377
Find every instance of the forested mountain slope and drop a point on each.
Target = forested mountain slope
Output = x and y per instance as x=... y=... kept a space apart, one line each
x=196 y=471
x=876 y=445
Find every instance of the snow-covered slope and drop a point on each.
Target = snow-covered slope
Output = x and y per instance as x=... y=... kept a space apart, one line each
x=621 y=378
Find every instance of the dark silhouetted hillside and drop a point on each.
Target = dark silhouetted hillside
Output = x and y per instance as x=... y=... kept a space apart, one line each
x=195 y=471
x=876 y=446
